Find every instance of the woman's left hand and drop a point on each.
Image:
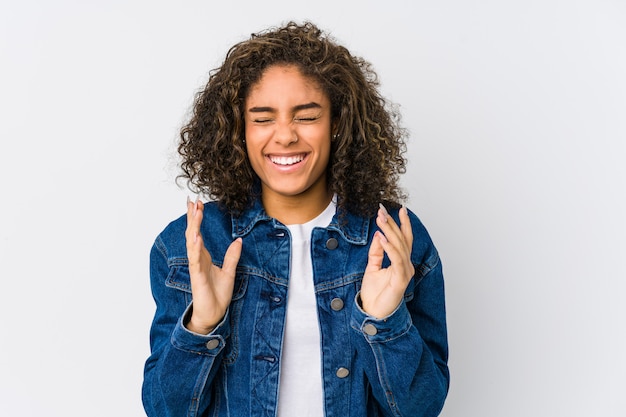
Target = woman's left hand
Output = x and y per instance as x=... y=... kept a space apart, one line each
x=383 y=289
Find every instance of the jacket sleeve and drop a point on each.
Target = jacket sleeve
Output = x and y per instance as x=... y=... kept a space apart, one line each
x=405 y=354
x=179 y=372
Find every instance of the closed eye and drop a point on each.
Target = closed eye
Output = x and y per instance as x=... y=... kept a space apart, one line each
x=306 y=119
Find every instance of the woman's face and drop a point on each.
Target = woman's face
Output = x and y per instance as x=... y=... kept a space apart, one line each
x=288 y=128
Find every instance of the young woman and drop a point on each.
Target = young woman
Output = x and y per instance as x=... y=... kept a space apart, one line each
x=303 y=288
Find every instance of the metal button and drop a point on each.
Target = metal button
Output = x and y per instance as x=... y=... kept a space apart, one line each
x=332 y=243
x=370 y=329
x=212 y=344
x=342 y=372
x=336 y=304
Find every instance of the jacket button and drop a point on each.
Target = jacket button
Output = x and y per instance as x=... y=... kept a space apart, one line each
x=212 y=344
x=332 y=243
x=336 y=304
x=342 y=372
x=370 y=329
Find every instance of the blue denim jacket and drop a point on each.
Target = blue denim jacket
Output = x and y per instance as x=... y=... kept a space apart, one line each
x=396 y=366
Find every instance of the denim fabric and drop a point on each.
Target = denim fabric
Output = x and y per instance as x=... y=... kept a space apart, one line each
x=396 y=366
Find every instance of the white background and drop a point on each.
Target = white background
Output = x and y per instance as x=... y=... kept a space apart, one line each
x=517 y=113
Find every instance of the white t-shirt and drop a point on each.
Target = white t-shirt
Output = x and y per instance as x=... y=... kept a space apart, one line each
x=301 y=391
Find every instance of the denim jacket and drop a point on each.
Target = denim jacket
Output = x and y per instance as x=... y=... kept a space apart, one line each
x=395 y=366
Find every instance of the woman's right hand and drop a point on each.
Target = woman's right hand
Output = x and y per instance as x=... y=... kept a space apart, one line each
x=211 y=286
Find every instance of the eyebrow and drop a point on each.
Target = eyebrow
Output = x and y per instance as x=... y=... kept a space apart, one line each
x=311 y=105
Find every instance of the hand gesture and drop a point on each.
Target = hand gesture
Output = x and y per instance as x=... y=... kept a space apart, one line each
x=211 y=286
x=383 y=289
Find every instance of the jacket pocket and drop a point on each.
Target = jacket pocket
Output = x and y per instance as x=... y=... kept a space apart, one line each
x=178 y=279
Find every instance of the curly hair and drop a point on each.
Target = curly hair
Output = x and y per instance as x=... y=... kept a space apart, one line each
x=367 y=146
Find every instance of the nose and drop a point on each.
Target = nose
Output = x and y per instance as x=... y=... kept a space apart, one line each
x=285 y=133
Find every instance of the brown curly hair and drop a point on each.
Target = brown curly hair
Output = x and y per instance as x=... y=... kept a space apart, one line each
x=367 y=146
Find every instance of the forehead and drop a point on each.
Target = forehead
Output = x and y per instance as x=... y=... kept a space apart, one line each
x=285 y=82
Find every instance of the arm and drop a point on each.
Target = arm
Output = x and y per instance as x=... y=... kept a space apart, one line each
x=406 y=356
x=405 y=351
x=182 y=366
x=187 y=339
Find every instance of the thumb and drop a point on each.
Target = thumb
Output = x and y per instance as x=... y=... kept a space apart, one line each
x=231 y=257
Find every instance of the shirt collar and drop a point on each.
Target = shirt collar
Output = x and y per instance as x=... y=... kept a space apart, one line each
x=351 y=227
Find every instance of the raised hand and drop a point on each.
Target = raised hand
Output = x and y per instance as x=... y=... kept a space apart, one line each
x=211 y=286
x=383 y=289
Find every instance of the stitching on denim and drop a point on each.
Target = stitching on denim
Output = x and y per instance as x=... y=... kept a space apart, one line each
x=384 y=380
x=340 y=282
x=218 y=398
x=261 y=274
x=170 y=281
x=241 y=229
x=201 y=382
x=385 y=340
x=425 y=267
x=359 y=239
x=158 y=243
x=235 y=308
x=177 y=261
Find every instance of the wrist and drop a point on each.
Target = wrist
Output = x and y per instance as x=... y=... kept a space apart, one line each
x=191 y=323
x=203 y=330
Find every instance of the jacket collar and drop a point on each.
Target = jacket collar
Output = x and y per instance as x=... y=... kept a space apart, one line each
x=351 y=227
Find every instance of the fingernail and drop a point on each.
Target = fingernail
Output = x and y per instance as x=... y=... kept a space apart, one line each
x=382 y=213
x=382 y=237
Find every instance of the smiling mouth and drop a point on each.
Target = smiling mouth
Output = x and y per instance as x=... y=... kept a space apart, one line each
x=286 y=160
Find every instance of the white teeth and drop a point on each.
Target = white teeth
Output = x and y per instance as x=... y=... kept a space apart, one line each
x=286 y=160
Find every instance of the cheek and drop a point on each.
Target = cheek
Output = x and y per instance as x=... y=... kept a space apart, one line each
x=247 y=131
x=254 y=149
x=251 y=131
x=255 y=138
x=325 y=144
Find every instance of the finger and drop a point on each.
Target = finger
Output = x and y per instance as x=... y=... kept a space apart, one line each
x=195 y=244
x=398 y=257
x=195 y=214
x=231 y=257
x=397 y=244
x=405 y=226
x=194 y=219
x=376 y=253
x=392 y=232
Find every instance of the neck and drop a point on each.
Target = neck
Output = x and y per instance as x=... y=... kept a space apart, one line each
x=297 y=209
